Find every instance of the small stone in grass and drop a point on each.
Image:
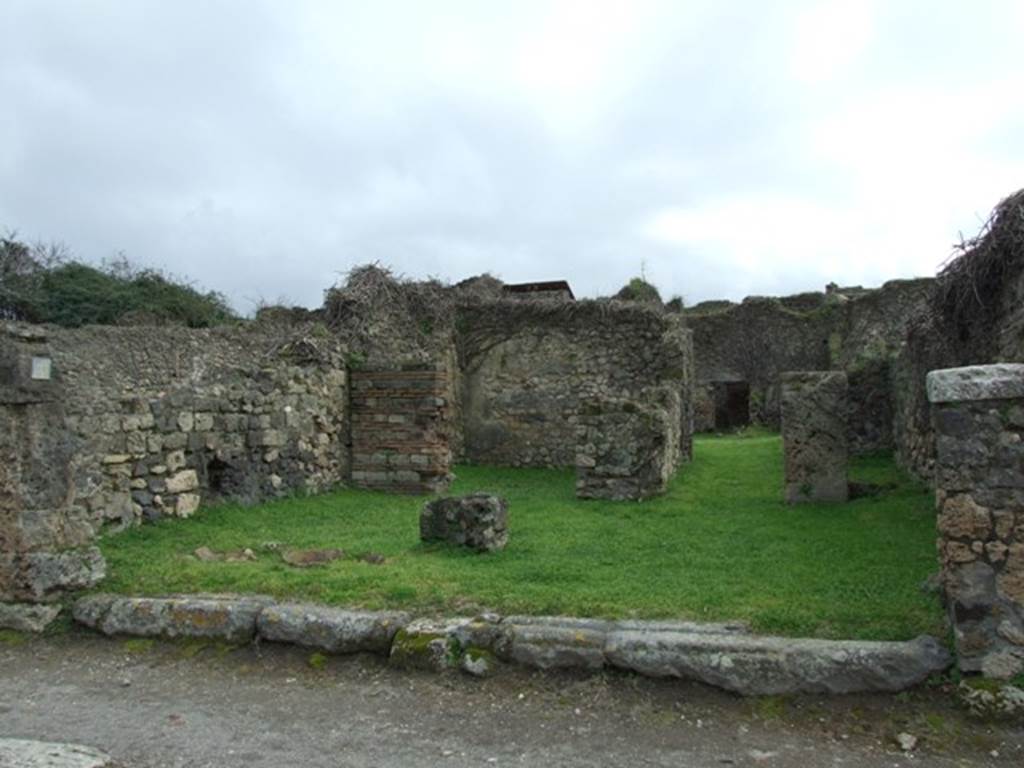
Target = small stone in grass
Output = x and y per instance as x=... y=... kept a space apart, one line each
x=304 y=558
x=207 y=555
x=907 y=741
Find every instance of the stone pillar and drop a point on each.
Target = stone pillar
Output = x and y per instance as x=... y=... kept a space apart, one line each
x=41 y=548
x=978 y=416
x=627 y=449
x=401 y=423
x=814 y=435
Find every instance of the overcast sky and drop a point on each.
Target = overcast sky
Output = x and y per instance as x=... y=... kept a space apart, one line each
x=264 y=148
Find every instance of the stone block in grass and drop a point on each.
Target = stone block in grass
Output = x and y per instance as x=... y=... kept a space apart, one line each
x=478 y=521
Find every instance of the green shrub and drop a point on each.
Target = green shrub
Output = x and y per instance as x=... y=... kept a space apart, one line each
x=40 y=285
x=639 y=289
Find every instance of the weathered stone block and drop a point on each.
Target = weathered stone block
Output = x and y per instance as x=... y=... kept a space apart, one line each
x=331 y=629
x=814 y=436
x=186 y=504
x=224 y=617
x=975 y=414
x=552 y=642
x=478 y=521
x=27 y=617
x=25 y=753
x=1004 y=381
x=426 y=644
x=763 y=666
x=182 y=482
x=627 y=449
x=44 y=575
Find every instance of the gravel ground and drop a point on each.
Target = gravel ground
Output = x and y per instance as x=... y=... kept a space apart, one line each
x=184 y=704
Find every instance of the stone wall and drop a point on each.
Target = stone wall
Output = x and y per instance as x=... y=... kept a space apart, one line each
x=978 y=414
x=869 y=420
x=991 y=334
x=754 y=342
x=401 y=426
x=626 y=449
x=852 y=329
x=530 y=367
x=814 y=436
x=973 y=316
x=138 y=423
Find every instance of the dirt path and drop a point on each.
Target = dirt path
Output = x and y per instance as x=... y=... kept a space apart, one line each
x=167 y=704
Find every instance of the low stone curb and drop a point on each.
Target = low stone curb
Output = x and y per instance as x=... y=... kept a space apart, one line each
x=214 y=617
x=27 y=617
x=762 y=666
x=26 y=753
x=331 y=629
x=725 y=655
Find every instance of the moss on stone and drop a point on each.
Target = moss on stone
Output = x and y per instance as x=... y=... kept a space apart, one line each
x=136 y=645
x=317 y=660
x=476 y=653
x=413 y=648
x=12 y=637
x=984 y=684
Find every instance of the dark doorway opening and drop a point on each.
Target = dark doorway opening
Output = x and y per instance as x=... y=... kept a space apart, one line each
x=218 y=476
x=732 y=405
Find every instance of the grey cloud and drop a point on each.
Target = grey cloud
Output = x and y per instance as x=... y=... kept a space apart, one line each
x=217 y=141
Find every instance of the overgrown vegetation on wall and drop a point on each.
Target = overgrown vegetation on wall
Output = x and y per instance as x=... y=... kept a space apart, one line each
x=41 y=284
x=973 y=316
x=968 y=300
x=639 y=289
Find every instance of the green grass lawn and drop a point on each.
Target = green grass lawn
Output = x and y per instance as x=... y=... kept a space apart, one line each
x=719 y=545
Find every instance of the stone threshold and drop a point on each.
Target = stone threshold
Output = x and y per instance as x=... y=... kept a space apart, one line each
x=725 y=655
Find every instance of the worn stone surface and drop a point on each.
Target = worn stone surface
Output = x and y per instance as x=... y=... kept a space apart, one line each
x=139 y=423
x=224 y=617
x=979 y=475
x=26 y=753
x=627 y=449
x=307 y=558
x=814 y=436
x=27 y=617
x=43 y=575
x=427 y=644
x=723 y=654
x=334 y=630
x=553 y=642
x=988 y=699
x=207 y=555
x=1000 y=381
x=529 y=368
x=478 y=521
x=753 y=665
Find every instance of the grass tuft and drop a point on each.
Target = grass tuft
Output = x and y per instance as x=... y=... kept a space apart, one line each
x=12 y=637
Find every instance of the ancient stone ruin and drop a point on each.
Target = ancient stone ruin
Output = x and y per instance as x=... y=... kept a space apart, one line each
x=627 y=449
x=109 y=427
x=399 y=429
x=391 y=383
x=979 y=422
x=814 y=436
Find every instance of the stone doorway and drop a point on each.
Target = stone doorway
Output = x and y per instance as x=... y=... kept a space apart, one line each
x=732 y=405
